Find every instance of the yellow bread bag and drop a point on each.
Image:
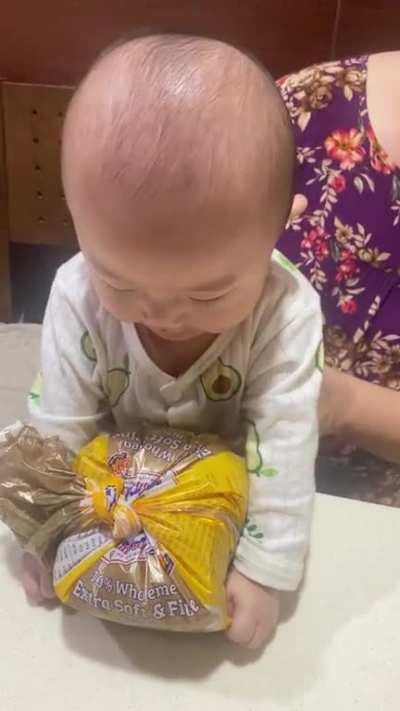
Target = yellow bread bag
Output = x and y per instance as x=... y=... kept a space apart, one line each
x=139 y=528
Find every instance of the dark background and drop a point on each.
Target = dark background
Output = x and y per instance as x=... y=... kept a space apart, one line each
x=54 y=41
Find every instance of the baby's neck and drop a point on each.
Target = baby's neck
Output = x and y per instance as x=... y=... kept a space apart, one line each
x=174 y=357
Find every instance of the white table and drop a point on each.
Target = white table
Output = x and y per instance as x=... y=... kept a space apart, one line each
x=339 y=651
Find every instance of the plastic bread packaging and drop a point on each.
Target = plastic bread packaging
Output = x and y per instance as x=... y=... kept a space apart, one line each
x=138 y=528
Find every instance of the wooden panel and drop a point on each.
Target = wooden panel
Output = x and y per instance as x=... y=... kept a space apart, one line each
x=5 y=305
x=53 y=42
x=368 y=26
x=33 y=118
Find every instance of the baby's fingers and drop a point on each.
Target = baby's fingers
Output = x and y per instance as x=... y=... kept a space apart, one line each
x=30 y=578
x=36 y=580
x=242 y=629
x=262 y=634
x=46 y=585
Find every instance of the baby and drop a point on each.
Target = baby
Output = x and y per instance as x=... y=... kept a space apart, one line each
x=178 y=164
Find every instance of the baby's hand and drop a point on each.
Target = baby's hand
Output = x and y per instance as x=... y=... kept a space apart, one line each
x=36 y=580
x=254 y=609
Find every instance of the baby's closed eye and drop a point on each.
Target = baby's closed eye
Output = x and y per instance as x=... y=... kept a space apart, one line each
x=205 y=299
x=210 y=300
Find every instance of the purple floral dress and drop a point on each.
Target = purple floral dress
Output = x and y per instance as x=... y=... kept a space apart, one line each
x=347 y=240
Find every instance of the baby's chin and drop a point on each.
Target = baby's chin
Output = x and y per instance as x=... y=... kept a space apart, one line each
x=171 y=335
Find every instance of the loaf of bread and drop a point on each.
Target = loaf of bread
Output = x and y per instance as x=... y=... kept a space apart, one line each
x=139 y=528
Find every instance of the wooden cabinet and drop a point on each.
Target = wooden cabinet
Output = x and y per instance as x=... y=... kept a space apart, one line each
x=46 y=43
x=4 y=232
x=33 y=117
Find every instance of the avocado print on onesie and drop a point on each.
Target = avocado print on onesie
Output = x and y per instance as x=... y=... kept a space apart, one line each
x=221 y=381
x=117 y=378
x=254 y=460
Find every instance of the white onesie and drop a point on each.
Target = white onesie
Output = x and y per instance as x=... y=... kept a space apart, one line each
x=257 y=386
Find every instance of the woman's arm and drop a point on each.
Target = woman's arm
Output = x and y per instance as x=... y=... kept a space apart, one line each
x=360 y=413
x=351 y=409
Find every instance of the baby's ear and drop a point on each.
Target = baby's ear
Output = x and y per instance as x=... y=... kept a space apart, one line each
x=299 y=205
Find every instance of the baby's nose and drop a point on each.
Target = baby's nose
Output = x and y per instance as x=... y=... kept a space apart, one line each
x=162 y=310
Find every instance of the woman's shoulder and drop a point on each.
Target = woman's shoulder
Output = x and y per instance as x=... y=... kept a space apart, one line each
x=383 y=98
x=316 y=95
x=385 y=63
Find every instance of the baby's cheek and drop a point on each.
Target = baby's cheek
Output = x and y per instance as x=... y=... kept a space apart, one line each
x=222 y=318
x=122 y=307
x=237 y=309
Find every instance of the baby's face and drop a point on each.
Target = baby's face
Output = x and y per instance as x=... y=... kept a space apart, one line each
x=177 y=163
x=179 y=272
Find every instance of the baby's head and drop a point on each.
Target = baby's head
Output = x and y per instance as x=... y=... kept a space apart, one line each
x=178 y=165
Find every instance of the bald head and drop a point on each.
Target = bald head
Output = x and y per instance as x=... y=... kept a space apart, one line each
x=181 y=120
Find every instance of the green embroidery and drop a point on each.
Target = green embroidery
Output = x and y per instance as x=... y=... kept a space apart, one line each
x=253 y=530
x=36 y=390
x=320 y=357
x=88 y=348
x=285 y=262
x=253 y=455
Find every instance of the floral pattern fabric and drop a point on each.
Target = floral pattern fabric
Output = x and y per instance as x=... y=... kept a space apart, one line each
x=347 y=240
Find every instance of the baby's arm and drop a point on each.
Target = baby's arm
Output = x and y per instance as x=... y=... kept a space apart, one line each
x=69 y=401
x=280 y=408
